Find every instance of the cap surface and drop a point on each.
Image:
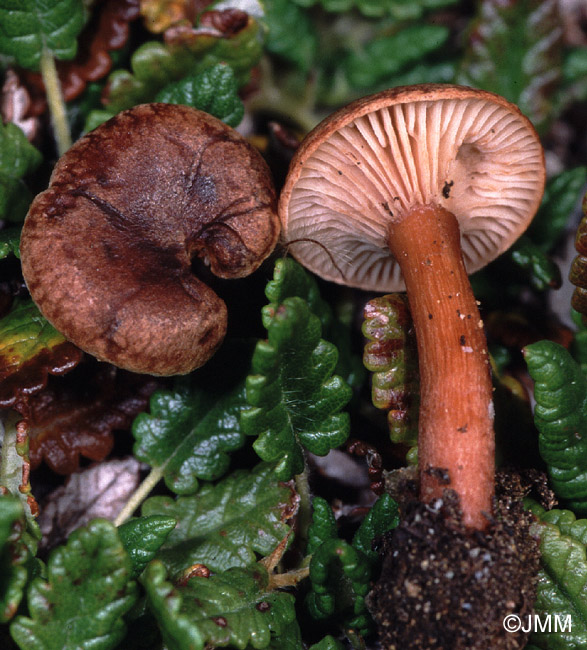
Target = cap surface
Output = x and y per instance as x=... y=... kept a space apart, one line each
x=107 y=248
x=467 y=150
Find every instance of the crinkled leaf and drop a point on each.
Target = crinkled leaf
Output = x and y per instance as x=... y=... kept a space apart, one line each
x=295 y=399
x=85 y=596
x=515 y=51
x=292 y=35
x=18 y=157
x=578 y=273
x=213 y=90
x=226 y=524
x=541 y=270
x=186 y=51
x=387 y=56
x=28 y=26
x=333 y=592
x=14 y=556
x=189 y=432
x=290 y=279
x=323 y=526
x=562 y=581
x=560 y=415
x=9 y=242
x=383 y=516
x=101 y=490
x=579 y=345
x=235 y=608
x=391 y=355
x=560 y=198
x=143 y=537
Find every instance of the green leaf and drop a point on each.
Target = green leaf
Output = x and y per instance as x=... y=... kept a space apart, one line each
x=333 y=592
x=214 y=90
x=292 y=35
x=323 y=526
x=224 y=525
x=579 y=345
x=295 y=399
x=515 y=51
x=235 y=608
x=18 y=157
x=389 y=55
x=87 y=592
x=28 y=26
x=328 y=643
x=541 y=270
x=154 y=65
x=560 y=198
x=562 y=580
x=383 y=516
x=143 y=537
x=14 y=556
x=9 y=242
x=560 y=415
x=398 y=9
x=189 y=432
x=578 y=272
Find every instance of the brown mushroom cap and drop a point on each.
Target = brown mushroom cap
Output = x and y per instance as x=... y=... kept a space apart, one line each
x=466 y=150
x=107 y=248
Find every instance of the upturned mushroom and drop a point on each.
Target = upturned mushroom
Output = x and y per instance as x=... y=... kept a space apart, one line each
x=415 y=187
x=107 y=249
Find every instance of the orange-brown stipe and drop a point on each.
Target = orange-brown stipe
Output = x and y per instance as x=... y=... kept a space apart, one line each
x=456 y=442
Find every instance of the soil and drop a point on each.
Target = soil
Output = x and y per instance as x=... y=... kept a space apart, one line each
x=444 y=586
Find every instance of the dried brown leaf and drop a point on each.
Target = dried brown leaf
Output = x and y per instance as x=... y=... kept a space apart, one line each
x=15 y=103
x=159 y=15
x=76 y=415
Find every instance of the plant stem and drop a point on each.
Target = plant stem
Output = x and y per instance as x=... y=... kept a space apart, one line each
x=139 y=495
x=55 y=101
x=305 y=509
x=456 y=439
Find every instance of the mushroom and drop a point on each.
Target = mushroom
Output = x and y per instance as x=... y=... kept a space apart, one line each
x=107 y=249
x=414 y=187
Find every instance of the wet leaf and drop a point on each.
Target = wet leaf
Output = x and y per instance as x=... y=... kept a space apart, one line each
x=560 y=391
x=9 y=242
x=143 y=537
x=227 y=524
x=235 y=608
x=383 y=516
x=87 y=592
x=515 y=50
x=76 y=416
x=323 y=526
x=328 y=643
x=213 y=90
x=28 y=27
x=391 y=355
x=562 y=581
x=96 y=492
x=18 y=157
x=189 y=433
x=295 y=399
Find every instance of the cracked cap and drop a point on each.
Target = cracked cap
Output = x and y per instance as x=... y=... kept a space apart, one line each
x=467 y=150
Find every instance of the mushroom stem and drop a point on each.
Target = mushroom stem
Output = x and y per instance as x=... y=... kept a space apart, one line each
x=456 y=439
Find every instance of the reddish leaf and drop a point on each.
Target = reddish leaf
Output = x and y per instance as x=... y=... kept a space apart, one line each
x=107 y=30
x=77 y=414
